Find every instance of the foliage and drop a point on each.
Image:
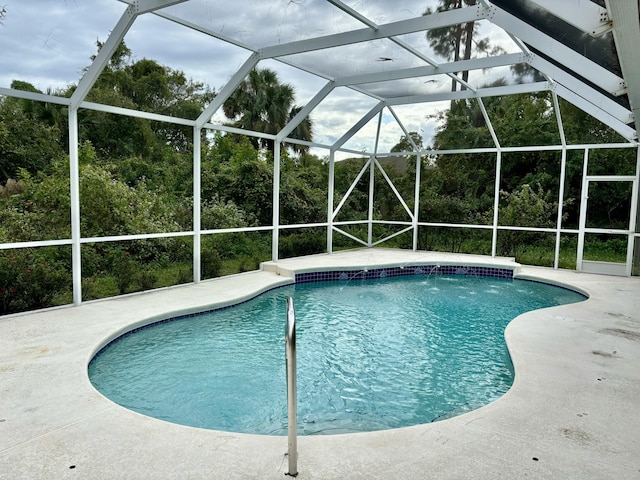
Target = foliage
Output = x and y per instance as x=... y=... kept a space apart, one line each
x=147 y=86
x=147 y=279
x=457 y=42
x=239 y=175
x=308 y=242
x=524 y=207
x=111 y=207
x=406 y=144
x=262 y=103
x=26 y=141
x=217 y=214
x=136 y=177
x=124 y=270
x=32 y=279
x=38 y=209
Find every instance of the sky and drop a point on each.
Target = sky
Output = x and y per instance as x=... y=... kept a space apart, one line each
x=49 y=42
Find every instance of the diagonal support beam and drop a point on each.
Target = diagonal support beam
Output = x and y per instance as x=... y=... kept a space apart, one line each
x=363 y=121
x=489 y=123
x=145 y=6
x=584 y=67
x=577 y=86
x=393 y=188
x=353 y=185
x=452 y=67
x=302 y=114
x=103 y=57
x=403 y=128
x=135 y=8
x=419 y=24
x=625 y=130
x=354 y=13
x=227 y=90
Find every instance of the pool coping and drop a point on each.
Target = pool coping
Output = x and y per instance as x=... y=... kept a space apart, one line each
x=570 y=414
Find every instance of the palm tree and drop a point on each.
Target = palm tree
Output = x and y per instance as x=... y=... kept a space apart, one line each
x=263 y=104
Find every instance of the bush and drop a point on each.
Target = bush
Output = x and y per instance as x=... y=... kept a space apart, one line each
x=147 y=279
x=124 y=271
x=32 y=279
x=211 y=263
x=184 y=276
x=302 y=243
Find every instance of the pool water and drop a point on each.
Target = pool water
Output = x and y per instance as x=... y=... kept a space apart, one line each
x=372 y=355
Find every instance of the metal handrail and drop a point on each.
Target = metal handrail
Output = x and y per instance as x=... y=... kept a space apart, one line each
x=290 y=350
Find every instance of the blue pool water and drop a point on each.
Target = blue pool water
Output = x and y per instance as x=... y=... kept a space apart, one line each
x=372 y=355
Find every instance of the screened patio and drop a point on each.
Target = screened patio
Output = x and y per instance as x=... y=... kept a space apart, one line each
x=369 y=62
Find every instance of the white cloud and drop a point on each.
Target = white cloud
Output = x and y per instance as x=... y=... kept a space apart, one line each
x=49 y=42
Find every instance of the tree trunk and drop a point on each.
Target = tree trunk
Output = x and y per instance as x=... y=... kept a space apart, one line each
x=457 y=38
x=468 y=41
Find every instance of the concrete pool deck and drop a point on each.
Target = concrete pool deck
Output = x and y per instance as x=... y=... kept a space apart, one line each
x=572 y=413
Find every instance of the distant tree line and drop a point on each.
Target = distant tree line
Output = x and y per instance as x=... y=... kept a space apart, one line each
x=136 y=177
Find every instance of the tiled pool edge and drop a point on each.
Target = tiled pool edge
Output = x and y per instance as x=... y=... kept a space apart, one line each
x=399 y=271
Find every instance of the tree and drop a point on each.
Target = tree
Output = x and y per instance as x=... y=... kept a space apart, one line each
x=3 y=13
x=147 y=86
x=26 y=140
x=404 y=145
x=518 y=120
x=262 y=103
x=232 y=171
x=448 y=42
x=525 y=207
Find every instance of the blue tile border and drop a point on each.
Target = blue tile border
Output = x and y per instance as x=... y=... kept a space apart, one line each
x=426 y=270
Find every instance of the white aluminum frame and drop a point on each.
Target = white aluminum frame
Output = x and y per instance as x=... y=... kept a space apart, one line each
x=560 y=82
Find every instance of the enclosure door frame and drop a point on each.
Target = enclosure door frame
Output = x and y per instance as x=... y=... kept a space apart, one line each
x=610 y=268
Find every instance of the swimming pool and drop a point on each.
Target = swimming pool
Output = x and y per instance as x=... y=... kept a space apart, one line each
x=372 y=354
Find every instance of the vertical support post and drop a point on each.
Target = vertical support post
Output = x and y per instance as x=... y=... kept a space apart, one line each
x=276 y=201
x=330 y=194
x=633 y=249
x=496 y=204
x=74 y=186
x=416 y=202
x=563 y=169
x=372 y=176
x=197 y=202
x=290 y=347
x=584 y=196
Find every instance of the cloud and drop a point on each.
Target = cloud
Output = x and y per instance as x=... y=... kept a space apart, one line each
x=49 y=43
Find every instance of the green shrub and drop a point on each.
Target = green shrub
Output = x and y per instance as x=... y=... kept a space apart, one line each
x=147 y=279
x=211 y=263
x=31 y=279
x=184 y=276
x=124 y=269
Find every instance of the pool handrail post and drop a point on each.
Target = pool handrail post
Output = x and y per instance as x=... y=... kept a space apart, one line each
x=290 y=351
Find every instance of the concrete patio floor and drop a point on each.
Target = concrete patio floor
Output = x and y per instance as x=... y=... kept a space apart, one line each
x=572 y=413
